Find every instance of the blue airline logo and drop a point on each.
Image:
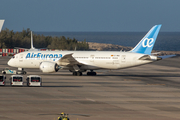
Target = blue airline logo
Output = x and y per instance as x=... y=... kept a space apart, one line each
x=10 y=71
x=147 y=42
x=40 y=55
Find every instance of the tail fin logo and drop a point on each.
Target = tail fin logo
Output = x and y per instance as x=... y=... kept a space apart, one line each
x=147 y=42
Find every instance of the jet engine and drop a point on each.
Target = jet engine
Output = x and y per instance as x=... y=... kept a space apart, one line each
x=48 y=67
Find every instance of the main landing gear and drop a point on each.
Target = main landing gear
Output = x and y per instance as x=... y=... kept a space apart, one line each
x=91 y=73
x=77 y=73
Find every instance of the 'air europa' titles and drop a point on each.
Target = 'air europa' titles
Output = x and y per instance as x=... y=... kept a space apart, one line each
x=40 y=55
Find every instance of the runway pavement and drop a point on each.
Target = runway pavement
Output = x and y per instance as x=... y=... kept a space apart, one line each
x=148 y=92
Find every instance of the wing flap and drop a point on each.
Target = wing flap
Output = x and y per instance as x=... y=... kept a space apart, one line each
x=67 y=59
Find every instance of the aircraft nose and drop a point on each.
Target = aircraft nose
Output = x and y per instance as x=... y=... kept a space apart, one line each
x=10 y=62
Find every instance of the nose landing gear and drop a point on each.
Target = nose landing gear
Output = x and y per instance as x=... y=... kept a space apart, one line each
x=78 y=73
x=21 y=71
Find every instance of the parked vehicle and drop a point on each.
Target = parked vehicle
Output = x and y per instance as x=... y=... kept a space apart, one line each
x=8 y=71
x=34 y=80
x=16 y=80
x=2 y=80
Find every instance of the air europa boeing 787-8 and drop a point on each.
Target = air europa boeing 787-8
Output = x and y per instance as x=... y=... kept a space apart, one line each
x=81 y=61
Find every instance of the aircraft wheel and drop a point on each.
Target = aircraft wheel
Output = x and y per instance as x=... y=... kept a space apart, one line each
x=88 y=73
x=24 y=72
x=74 y=73
x=91 y=73
x=94 y=73
x=79 y=73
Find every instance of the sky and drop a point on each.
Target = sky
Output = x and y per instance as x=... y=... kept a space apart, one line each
x=90 y=15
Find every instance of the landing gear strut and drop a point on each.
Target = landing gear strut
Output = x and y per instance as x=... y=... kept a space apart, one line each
x=91 y=73
x=77 y=73
x=21 y=71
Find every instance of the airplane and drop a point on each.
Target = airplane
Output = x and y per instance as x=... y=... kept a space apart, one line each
x=1 y=24
x=81 y=61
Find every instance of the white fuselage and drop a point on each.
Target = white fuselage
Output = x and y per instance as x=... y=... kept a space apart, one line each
x=80 y=61
x=91 y=60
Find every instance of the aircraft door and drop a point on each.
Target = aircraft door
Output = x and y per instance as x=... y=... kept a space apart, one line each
x=116 y=60
x=92 y=58
x=21 y=58
x=123 y=58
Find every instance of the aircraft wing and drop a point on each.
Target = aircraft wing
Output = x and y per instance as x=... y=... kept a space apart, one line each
x=68 y=60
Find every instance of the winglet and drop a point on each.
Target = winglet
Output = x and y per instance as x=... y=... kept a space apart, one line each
x=146 y=44
x=1 y=24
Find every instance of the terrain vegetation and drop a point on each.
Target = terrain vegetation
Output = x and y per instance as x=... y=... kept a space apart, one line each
x=11 y=39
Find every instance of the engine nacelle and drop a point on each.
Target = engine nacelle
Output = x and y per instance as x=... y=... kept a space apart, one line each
x=48 y=67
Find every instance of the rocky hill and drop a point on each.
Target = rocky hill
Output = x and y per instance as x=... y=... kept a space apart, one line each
x=111 y=47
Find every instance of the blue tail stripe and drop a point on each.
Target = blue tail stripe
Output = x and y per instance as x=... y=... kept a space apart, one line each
x=145 y=46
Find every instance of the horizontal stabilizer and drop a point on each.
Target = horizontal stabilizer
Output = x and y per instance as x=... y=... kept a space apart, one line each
x=167 y=56
x=155 y=53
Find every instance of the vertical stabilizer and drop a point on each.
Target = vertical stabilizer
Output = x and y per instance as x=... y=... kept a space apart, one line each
x=146 y=44
x=32 y=47
x=1 y=24
x=32 y=41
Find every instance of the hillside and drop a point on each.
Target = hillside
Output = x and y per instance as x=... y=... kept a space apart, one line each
x=111 y=47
